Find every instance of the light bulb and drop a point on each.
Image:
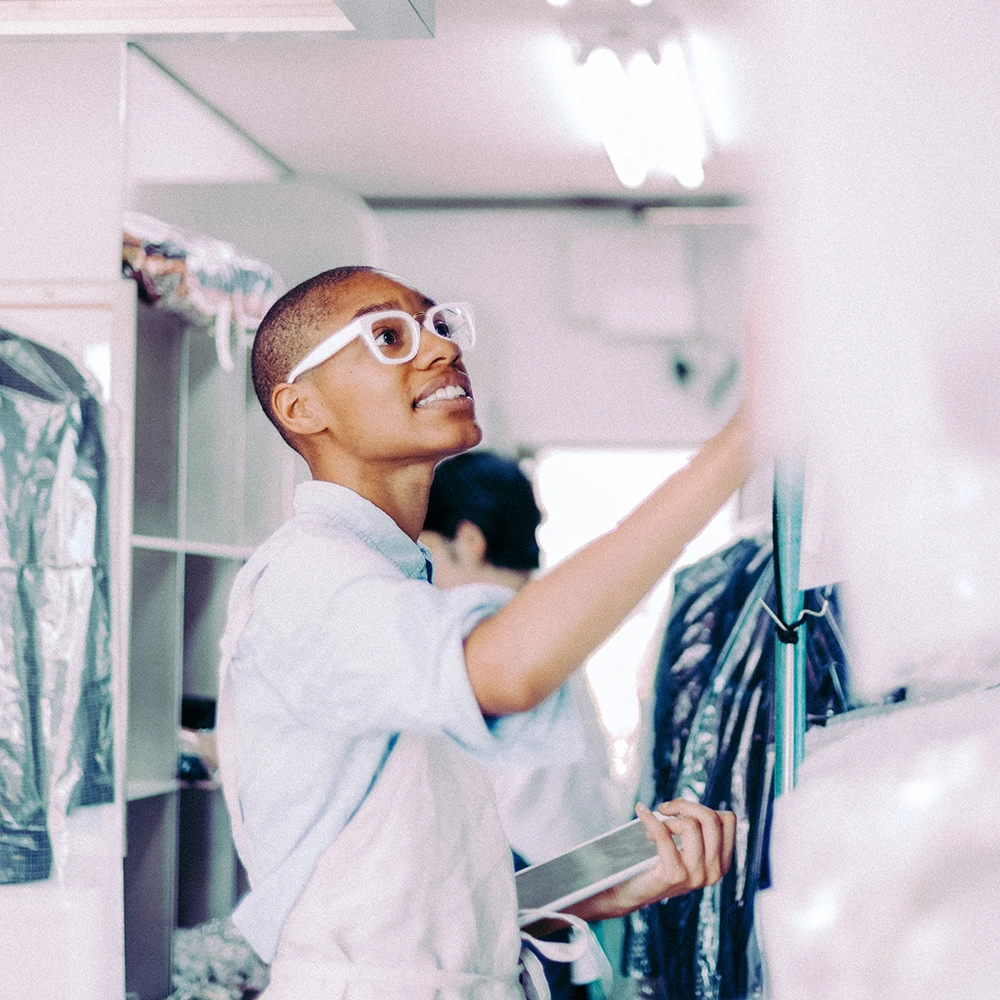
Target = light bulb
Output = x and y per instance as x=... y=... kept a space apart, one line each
x=619 y=123
x=690 y=174
x=681 y=148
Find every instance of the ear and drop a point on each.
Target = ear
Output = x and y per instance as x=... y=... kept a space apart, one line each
x=469 y=544
x=297 y=408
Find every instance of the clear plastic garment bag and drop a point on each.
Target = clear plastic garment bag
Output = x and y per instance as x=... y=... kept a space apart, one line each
x=56 y=726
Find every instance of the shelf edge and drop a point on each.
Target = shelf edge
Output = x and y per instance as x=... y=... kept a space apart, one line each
x=189 y=548
x=148 y=789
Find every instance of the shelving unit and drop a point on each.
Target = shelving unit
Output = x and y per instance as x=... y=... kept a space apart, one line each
x=199 y=436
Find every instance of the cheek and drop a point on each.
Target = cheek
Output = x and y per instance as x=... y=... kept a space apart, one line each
x=370 y=396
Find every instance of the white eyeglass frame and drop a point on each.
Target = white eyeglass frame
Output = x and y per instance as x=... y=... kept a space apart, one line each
x=362 y=327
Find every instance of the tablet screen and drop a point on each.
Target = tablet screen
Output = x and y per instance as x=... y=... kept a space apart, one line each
x=586 y=870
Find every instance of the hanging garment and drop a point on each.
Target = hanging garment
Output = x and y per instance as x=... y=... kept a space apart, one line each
x=714 y=744
x=56 y=726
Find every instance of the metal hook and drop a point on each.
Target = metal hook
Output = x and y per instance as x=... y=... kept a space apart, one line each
x=787 y=632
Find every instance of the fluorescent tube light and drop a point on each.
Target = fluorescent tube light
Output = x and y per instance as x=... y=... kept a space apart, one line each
x=619 y=122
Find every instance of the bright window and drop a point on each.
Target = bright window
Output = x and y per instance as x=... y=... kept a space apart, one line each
x=585 y=492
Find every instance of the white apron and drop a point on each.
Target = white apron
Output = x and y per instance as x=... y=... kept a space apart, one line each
x=415 y=898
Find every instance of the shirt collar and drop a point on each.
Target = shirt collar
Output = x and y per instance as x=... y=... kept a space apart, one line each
x=369 y=523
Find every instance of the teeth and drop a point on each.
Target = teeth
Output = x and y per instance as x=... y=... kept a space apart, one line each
x=447 y=392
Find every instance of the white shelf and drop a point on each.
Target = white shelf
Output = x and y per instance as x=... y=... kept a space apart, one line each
x=213 y=479
x=211 y=549
x=147 y=789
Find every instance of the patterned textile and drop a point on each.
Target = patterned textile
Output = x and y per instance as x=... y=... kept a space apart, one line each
x=204 y=279
x=714 y=741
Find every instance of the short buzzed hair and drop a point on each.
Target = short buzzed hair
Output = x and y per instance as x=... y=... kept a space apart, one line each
x=285 y=333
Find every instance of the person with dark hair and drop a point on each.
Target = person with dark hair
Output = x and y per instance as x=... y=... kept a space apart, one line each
x=481 y=524
x=491 y=494
x=355 y=698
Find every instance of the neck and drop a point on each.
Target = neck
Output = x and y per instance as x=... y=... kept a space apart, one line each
x=400 y=490
x=512 y=579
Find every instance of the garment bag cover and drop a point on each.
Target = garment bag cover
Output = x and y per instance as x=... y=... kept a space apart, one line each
x=56 y=730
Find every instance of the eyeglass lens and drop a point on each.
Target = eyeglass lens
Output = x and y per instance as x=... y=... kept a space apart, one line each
x=453 y=323
x=394 y=336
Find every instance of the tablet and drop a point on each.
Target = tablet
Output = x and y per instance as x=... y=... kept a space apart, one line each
x=587 y=869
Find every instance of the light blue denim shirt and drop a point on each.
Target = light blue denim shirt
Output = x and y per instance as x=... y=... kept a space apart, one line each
x=346 y=644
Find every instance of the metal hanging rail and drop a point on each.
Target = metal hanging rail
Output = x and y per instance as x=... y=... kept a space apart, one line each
x=790 y=649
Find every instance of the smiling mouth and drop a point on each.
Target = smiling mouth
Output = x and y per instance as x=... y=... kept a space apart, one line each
x=444 y=393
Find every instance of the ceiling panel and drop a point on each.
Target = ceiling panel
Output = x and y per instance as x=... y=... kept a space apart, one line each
x=484 y=108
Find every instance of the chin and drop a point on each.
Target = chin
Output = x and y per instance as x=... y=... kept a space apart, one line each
x=447 y=438
x=469 y=438
x=469 y=432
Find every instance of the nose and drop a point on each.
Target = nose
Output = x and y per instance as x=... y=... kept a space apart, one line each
x=435 y=349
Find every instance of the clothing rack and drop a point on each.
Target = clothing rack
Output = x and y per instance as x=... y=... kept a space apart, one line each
x=790 y=650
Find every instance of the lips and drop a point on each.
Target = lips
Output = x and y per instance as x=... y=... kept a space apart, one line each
x=454 y=385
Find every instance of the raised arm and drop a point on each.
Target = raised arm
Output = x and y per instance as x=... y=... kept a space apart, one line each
x=522 y=654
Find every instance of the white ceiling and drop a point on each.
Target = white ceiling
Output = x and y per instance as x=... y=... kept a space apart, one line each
x=484 y=109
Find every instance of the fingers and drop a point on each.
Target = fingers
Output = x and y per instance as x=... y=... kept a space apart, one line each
x=728 y=839
x=656 y=828
x=707 y=838
x=658 y=831
x=694 y=846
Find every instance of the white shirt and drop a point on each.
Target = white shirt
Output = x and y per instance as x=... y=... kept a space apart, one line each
x=346 y=644
x=549 y=806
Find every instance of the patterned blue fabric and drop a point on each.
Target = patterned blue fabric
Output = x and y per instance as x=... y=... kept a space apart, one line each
x=713 y=744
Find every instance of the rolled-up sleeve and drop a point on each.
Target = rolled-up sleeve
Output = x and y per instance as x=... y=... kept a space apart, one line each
x=380 y=652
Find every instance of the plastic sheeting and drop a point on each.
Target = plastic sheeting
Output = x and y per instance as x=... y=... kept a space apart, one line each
x=214 y=962
x=714 y=744
x=56 y=726
x=205 y=279
x=879 y=232
x=885 y=860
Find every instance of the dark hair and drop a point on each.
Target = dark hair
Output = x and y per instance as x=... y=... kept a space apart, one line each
x=286 y=333
x=495 y=495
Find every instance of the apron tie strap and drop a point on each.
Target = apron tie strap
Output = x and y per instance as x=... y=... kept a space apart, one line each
x=583 y=951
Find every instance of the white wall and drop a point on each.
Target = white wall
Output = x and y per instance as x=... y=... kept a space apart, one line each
x=61 y=160
x=580 y=316
x=298 y=227
x=61 y=171
x=174 y=138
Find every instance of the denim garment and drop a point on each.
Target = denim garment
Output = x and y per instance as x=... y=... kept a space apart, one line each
x=345 y=645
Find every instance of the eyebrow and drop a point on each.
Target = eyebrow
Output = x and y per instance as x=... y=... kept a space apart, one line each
x=384 y=306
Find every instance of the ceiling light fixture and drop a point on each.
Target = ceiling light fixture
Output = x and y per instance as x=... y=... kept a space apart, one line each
x=646 y=114
x=608 y=91
x=639 y=81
